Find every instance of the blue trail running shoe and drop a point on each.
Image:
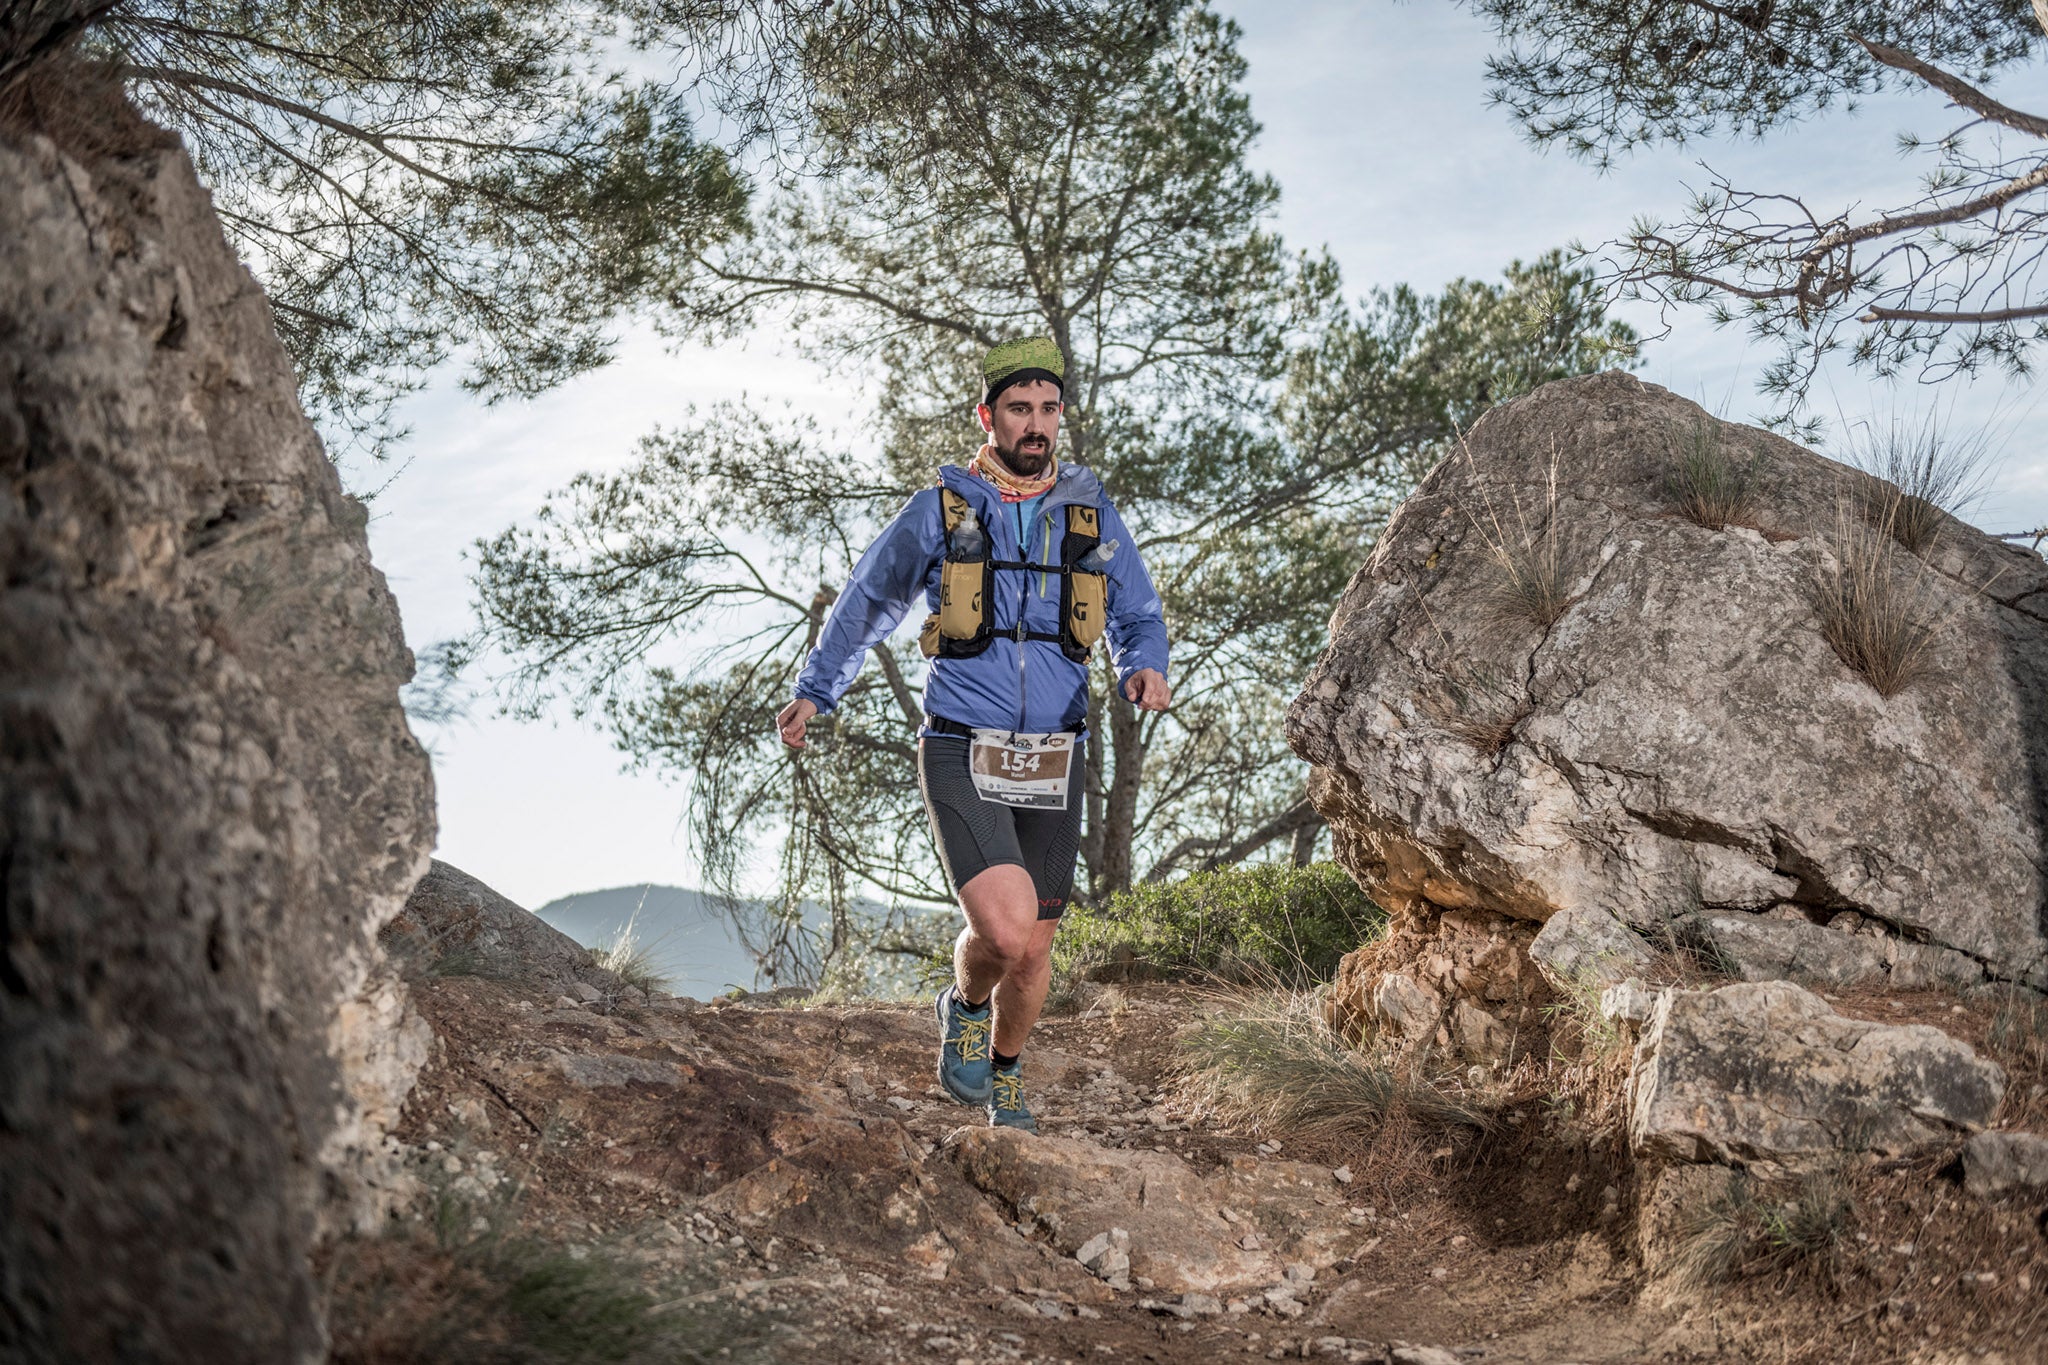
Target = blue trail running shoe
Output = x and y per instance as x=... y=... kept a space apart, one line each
x=964 y=1062
x=1006 y=1100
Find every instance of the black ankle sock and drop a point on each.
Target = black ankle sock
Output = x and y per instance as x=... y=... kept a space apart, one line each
x=971 y=1006
x=1003 y=1063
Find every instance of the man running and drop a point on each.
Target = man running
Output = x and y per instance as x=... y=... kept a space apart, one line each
x=1024 y=565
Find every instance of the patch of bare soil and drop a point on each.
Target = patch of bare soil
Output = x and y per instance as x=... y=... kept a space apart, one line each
x=798 y=1173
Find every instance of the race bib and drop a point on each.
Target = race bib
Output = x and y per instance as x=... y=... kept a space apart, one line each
x=1021 y=770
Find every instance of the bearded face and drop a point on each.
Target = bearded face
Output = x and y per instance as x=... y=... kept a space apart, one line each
x=1023 y=424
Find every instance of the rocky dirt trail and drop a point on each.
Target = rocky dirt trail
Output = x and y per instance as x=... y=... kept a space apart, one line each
x=791 y=1173
x=804 y=1160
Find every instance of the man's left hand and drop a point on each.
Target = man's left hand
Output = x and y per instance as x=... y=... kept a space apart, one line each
x=1148 y=688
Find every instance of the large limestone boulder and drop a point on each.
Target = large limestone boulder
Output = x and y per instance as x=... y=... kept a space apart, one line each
x=1679 y=756
x=1765 y=1073
x=209 y=799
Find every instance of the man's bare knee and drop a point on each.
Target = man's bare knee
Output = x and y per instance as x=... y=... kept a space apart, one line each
x=1003 y=947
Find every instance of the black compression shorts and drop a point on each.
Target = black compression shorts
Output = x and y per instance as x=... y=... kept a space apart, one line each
x=974 y=835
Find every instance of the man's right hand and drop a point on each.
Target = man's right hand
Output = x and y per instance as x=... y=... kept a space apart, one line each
x=790 y=724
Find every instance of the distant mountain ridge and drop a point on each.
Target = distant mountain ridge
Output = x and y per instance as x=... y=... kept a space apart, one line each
x=689 y=939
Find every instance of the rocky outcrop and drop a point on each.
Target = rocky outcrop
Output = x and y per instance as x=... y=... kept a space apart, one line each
x=209 y=798
x=1766 y=1074
x=1679 y=750
x=453 y=922
x=1231 y=1232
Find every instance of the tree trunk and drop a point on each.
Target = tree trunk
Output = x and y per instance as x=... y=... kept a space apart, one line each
x=1092 y=812
x=1120 y=814
x=1304 y=850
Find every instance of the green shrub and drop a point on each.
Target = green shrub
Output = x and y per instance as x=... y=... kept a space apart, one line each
x=1272 y=922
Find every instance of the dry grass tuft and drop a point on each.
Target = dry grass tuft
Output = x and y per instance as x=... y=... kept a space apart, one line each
x=1799 y=1227
x=1535 y=569
x=1712 y=486
x=1926 y=475
x=631 y=960
x=1268 y=1061
x=470 y=1286
x=1478 y=706
x=1882 y=616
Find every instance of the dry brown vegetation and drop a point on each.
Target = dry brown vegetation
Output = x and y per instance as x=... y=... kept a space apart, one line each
x=1476 y=705
x=1880 y=610
x=1535 y=568
x=470 y=1286
x=1922 y=477
x=1713 y=486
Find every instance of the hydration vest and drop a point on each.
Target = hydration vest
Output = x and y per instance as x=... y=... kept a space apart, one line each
x=965 y=623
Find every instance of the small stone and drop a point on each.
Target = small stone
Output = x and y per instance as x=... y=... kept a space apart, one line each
x=2001 y=1163
x=1145 y=1284
x=1049 y=1308
x=1091 y=1250
x=1404 y=1354
x=1299 y=1273
x=1249 y=1242
x=1342 y=1175
x=941 y=1344
x=563 y=1002
x=1205 y=1305
x=586 y=992
x=1439 y=1273
x=898 y=1102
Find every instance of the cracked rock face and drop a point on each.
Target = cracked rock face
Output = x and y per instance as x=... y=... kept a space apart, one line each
x=1765 y=1072
x=1680 y=751
x=1178 y=1236
x=209 y=798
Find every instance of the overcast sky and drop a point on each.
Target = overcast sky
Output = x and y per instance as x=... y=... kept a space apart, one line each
x=1376 y=127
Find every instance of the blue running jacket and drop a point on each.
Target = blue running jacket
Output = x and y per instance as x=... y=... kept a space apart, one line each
x=1031 y=687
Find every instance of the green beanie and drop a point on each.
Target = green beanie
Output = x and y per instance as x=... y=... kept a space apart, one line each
x=1020 y=362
